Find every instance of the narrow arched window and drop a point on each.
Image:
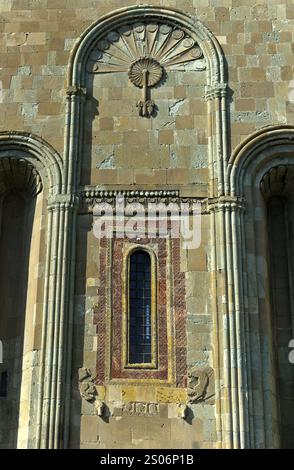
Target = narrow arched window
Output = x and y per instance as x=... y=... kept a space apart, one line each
x=140 y=308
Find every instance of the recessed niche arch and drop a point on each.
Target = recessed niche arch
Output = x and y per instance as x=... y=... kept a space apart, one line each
x=105 y=97
x=102 y=114
x=277 y=187
x=261 y=171
x=30 y=173
x=20 y=245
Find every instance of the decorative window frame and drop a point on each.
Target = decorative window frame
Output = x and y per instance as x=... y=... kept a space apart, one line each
x=128 y=251
x=171 y=315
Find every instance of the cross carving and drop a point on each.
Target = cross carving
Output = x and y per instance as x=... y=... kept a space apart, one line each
x=145 y=73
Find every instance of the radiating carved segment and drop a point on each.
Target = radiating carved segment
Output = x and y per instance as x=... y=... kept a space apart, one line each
x=17 y=173
x=144 y=50
x=166 y=44
x=145 y=72
x=278 y=181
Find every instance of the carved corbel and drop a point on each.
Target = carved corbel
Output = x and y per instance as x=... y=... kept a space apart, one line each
x=100 y=408
x=182 y=410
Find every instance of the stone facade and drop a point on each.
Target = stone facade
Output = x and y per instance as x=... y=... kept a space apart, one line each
x=177 y=101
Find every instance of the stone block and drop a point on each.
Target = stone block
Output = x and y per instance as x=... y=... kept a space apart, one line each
x=89 y=429
x=166 y=137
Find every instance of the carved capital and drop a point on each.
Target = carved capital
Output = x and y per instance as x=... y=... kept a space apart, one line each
x=63 y=201
x=233 y=203
x=75 y=91
x=218 y=90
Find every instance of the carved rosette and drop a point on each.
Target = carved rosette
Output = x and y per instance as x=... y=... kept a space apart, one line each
x=145 y=73
x=145 y=50
x=148 y=66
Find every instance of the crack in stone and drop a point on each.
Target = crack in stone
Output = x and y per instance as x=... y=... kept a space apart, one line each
x=107 y=163
x=174 y=108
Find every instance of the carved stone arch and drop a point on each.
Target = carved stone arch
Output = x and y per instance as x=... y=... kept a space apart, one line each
x=25 y=147
x=260 y=168
x=215 y=89
x=28 y=164
x=261 y=149
x=136 y=13
x=17 y=173
x=278 y=181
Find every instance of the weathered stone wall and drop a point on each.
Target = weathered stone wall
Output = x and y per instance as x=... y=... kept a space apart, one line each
x=122 y=150
x=36 y=39
x=168 y=150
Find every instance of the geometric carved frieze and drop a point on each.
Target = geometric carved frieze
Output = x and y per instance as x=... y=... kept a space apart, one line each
x=145 y=51
x=140 y=409
x=90 y=196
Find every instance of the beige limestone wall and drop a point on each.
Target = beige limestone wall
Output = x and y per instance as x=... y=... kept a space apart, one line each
x=169 y=150
x=36 y=39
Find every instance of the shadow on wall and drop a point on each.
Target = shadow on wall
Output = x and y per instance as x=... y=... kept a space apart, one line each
x=16 y=224
x=78 y=405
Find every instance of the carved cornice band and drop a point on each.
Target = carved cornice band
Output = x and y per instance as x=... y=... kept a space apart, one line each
x=91 y=196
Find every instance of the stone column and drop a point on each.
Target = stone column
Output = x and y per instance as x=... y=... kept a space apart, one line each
x=232 y=404
x=56 y=321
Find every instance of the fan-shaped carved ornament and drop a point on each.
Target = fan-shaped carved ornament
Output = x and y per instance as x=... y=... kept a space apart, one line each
x=144 y=51
x=145 y=66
